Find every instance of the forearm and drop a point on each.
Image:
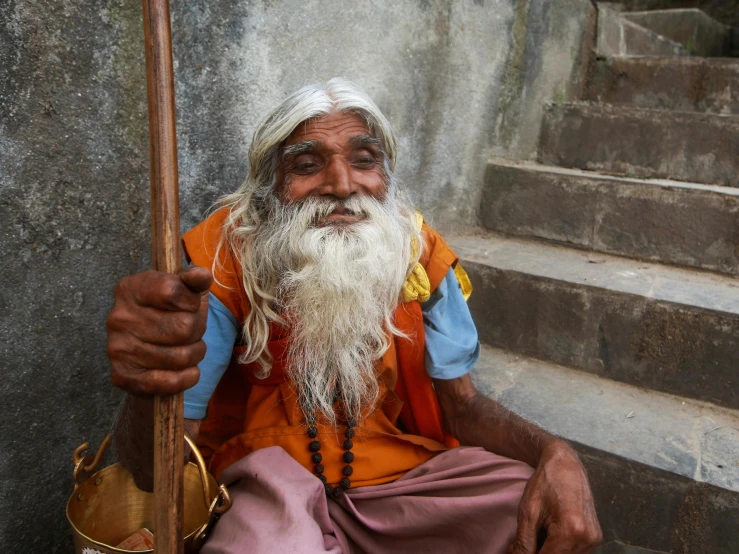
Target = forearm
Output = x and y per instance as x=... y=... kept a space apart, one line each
x=483 y=422
x=476 y=420
x=134 y=439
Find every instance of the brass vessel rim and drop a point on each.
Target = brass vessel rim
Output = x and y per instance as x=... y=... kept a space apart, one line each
x=199 y=465
x=117 y=466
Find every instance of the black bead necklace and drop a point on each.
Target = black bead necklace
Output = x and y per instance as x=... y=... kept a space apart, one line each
x=348 y=457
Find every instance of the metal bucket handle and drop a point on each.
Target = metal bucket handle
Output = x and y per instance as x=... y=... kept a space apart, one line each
x=220 y=505
x=85 y=466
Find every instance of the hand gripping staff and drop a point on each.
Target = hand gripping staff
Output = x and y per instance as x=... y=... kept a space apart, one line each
x=165 y=229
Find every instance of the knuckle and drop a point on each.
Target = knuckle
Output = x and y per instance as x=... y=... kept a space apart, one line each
x=120 y=288
x=147 y=386
x=153 y=383
x=188 y=379
x=575 y=527
x=170 y=289
x=122 y=380
x=184 y=325
x=180 y=357
x=201 y=323
x=595 y=537
x=164 y=382
x=115 y=348
x=114 y=321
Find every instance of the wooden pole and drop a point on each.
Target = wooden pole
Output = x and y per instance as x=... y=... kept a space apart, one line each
x=165 y=228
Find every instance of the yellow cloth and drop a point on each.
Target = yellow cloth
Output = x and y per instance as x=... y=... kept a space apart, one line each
x=417 y=286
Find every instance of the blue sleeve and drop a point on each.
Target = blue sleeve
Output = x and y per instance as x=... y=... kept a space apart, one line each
x=452 y=348
x=220 y=336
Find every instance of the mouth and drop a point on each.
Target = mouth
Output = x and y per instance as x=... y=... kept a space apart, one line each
x=341 y=216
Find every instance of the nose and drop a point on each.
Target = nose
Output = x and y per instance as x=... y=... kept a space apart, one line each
x=338 y=179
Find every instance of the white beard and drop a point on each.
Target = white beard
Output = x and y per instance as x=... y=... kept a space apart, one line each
x=338 y=288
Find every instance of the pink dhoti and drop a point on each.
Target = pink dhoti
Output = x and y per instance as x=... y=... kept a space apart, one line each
x=462 y=501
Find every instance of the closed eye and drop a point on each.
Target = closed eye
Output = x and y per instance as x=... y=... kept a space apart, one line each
x=304 y=164
x=366 y=159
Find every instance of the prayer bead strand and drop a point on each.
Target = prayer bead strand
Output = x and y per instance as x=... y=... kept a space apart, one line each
x=317 y=457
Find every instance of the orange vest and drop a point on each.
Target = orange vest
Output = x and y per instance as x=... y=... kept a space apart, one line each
x=247 y=413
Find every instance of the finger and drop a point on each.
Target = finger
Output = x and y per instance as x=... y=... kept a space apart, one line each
x=197 y=279
x=204 y=303
x=141 y=355
x=155 y=289
x=164 y=328
x=553 y=545
x=151 y=382
x=592 y=536
x=528 y=524
x=570 y=536
x=584 y=530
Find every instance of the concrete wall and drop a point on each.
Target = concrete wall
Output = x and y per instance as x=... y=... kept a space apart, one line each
x=460 y=80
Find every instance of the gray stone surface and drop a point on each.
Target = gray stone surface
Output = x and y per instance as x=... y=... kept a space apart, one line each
x=657 y=510
x=645 y=452
x=458 y=80
x=725 y=11
x=616 y=547
x=696 y=31
x=637 y=142
x=686 y=84
x=664 y=221
x=654 y=326
x=618 y=36
x=686 y=437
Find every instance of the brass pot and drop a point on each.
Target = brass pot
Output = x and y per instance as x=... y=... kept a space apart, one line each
x=106 y=507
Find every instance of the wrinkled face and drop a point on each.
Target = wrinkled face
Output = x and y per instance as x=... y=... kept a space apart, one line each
x=333 y=156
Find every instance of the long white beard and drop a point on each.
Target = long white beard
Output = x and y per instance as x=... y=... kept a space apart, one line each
x=338 y=288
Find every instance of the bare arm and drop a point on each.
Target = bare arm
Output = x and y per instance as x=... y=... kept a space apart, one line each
x=476 y=420
x=134 y=439
x=155 y=342
x=557 y=497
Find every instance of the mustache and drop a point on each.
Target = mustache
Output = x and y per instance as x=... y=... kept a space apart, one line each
x=314 y=209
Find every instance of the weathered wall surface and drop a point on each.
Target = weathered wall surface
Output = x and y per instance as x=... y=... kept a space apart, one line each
x=460 y=80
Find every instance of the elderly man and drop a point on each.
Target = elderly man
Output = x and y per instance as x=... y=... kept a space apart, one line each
x=335 y=389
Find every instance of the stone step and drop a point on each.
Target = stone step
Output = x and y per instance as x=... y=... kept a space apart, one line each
x=685 y=84
x=694 y=29
x=663 y=469
x=660 y=327
x=664 y=221
x=617 y=547
x=618 y=36
x=644 y=143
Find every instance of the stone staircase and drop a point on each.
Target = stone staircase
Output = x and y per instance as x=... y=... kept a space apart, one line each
x=606 y=282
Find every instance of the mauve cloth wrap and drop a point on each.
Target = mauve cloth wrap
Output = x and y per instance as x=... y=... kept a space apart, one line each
x=464 y=500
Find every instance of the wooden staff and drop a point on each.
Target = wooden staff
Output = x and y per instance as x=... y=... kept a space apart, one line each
x=165 y=230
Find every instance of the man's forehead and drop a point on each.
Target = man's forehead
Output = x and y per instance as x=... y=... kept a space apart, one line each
x=340 y=127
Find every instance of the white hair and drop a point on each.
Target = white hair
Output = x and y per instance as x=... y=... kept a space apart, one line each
x=255 y=204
